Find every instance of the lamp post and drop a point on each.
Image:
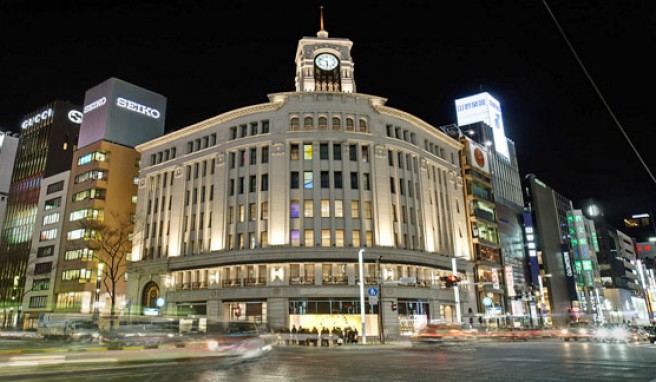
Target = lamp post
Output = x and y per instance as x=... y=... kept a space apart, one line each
x=456 y=291
x=543 y=304
x=364 y=324
x=380 y=300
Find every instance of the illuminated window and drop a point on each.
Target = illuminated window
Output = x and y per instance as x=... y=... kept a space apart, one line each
x=293 y=152
x=339 y=237
x=295 y=237
x=308 y=181
x=264 y=213
x=294 y=209
x=51 y=218
x=309 y=237
x=325 y=238
x=96 y=156
x=355 y=209
x=339 y=208
x=367 y=210
x=325 y=208
x=308 y=208
x=52 y=203
x=49 y=234
x=356 y=237
x=242 y=213
x=307 y=151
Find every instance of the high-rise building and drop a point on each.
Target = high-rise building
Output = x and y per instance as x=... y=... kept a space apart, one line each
x=8 y=148
x=480 y=118
x=640 y=226
x=262 y=212
x=97 y=224
x=45 y=148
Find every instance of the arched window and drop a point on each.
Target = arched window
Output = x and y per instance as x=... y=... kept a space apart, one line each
x=294 y=123
x=337 y=123
x=363 y=125
x=350 y=124
x=308 y=123
x=323 y=123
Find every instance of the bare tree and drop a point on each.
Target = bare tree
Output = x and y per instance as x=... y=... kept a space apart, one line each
x=111 y=243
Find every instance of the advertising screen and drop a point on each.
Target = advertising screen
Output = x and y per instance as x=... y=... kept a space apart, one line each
x=484 y=108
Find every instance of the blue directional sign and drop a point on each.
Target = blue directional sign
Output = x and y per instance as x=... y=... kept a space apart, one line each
x=373 y=291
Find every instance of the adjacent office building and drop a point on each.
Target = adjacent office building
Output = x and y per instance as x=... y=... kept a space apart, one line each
x=45 y=148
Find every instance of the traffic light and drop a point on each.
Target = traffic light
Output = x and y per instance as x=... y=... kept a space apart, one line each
x=394 y=307
x=451 y=281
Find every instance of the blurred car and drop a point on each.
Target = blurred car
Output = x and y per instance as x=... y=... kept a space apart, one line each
x=614 y=333
x=237 y=338
x=577 y=331
x=442 y=332
x=651 y=333
x=84 y=331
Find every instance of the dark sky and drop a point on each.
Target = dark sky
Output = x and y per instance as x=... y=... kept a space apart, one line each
x=209 y=57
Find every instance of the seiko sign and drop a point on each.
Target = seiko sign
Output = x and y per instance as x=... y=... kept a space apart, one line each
x=95 y=104
x=137 y=108
x=42 y=116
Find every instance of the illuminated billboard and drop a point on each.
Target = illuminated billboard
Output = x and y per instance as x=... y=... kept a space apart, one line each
x=484 y=108
x=120 y=112
x=478 y=156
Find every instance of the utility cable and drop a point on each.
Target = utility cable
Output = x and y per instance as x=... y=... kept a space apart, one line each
x=617 y=122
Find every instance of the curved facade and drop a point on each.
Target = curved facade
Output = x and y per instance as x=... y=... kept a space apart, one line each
x=259 y=213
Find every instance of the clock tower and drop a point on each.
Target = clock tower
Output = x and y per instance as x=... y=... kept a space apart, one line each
x=324 y=64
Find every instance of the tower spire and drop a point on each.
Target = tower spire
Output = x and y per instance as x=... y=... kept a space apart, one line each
x=322 y=32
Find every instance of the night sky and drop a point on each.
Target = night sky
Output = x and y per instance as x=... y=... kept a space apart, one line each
x=209 y=57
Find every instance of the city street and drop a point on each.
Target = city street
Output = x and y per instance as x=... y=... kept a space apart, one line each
x=503 y=361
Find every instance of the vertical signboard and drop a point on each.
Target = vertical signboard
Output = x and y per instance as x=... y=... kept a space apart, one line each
x=530 y=238
x=478 y=156
x=510 y=283
x=581 y=247
x=484 y=108
x=569 y=272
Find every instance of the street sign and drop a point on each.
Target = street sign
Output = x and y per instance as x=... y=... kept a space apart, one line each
x=373 y=300
x=373 y=291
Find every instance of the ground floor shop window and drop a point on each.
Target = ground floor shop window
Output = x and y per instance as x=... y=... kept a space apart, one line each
x=252 y=311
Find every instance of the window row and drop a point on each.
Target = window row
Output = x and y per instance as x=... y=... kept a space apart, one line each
x=399 y=133
x=201 y=143
x=82 y=275
x=164 y=155
x=248 y=156
x=324 y=152
x=330 y=238
x=411 y=163
x=245 y=130
x=325 y=180
x=322 y=124
x=54 y=187
x=240 y=186
x=96 y=156
x=91 y=175
x=328 y=209
x=402 y=187
x=195 y=170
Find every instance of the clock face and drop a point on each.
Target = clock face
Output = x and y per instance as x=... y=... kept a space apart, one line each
x=326 y=61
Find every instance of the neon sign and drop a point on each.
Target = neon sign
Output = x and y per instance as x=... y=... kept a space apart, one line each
x=42 y=116
x=137 y=108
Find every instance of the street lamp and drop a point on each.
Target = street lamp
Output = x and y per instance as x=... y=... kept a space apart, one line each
x=543 y=304
x=364 y=324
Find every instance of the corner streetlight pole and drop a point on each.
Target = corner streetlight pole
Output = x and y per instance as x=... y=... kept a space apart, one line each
x=380 y=300
x=364 y=325
x=456 y=292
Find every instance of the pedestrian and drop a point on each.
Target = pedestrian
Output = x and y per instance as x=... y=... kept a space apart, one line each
x=293 y=334
x=325 y=337
x=315 y=335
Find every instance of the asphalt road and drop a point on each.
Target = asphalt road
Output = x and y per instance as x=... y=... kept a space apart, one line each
x=503 y=361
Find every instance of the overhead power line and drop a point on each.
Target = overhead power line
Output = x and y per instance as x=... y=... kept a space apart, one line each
x=603 y=100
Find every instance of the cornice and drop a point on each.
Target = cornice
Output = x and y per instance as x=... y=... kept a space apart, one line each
x=176 y=135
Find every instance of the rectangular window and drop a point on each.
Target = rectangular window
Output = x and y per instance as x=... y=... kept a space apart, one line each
x=265 y=182
x=265 y=211
x=293 y=152
x=252 y=212
x=253 y=128
x=339 y=237
x=325 y=179
x=231 y=160
x=337 y=151
x=325 y=208
x=242 y=158
x=96 y=156
x=367 y=210
x=308 y=181
x=390 y=158
x=392 y=186
x=355 y=209
x=242 y=213
x=369 y=238
x=240 y=185
x=338 y=179
x=365 y=154
x=264 y=239
x=38 y=301
x=309 y=238
x=339 y=208
x=356 y=237
x=366 y=186
x=307 y=151
x=265 y=127
x=265 y=154
x=308 y=208
x=52 y=203
x=50 y=234
x=42 y=268
x=51 y=218
x=295 y=237
x=325 y=238
x=55 y=187
x=354 y=181
x=243 y=131
x=41 y=284
x=45 y=251
x=294 y=180
x=294 y=209
x=252 y=160
x=353 y=153
x=231 y=214
x=323 y=151
x=252 y=186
